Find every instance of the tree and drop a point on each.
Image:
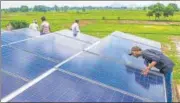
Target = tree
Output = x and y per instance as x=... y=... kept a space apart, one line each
x=150 y=13
x=40 y=8
x=65 y=8
x=157 y=9
x=157 y=15
x=24 y=8
x=83 y=9
x=174 y=6
x=56 y=8
x=13 y=9
x=168 y=11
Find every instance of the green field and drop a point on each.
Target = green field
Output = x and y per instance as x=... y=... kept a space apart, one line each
x=91 y=23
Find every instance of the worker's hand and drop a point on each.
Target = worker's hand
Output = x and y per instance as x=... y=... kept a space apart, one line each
x=145 y=71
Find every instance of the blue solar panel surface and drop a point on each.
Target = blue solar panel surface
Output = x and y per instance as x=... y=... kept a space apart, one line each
x=134 y=38
x=80 y=36
x=118 y=48
x=23 y=63
x=115 y=74
x=9 y=84
x=10 y=36
x=17 y=35
x=28 y=32
x=3 y=42
x=52 y=46
x=31 y=58
x=61 y=87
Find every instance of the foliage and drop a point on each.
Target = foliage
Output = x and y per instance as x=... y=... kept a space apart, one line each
x=159 y=9
x=103 y=18
x=150 y=13
x=18 y=24
x=24 y=9
x=40 y=8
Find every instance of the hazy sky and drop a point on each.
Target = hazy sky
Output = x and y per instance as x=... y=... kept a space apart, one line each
x=7 y=4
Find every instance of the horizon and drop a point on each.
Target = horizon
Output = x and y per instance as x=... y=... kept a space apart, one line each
x=30 y=4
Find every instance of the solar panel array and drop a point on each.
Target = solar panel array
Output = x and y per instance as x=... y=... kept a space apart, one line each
x=58 y=67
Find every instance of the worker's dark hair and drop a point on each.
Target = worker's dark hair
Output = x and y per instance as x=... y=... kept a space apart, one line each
x=77 y=21
x=135 y=48
x=43 y=18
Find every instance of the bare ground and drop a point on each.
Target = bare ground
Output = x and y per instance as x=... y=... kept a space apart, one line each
x=143 y=22
x=176 y=40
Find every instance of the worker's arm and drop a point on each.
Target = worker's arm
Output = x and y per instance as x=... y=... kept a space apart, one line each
x=148 y=68
x=77 y=28
x=41 y=28
x=49 y=28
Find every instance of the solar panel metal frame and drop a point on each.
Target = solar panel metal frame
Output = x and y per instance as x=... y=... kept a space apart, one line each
x=14 y=45
x=66 y=30
x=155 y=73
x=34 y=81
x=137 y=39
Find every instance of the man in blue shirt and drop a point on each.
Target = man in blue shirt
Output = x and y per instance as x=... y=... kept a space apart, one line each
x=154 y=58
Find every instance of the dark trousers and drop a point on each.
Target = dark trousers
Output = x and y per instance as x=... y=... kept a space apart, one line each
x=168 y=80
x=42 y=33
x=74 y=34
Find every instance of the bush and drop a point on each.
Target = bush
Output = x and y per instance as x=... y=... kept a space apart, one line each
x=19 y=24
x=118 y=18
x=103 y=18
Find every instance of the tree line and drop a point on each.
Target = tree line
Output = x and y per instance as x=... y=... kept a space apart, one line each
x=158 y=10
x=43 y=8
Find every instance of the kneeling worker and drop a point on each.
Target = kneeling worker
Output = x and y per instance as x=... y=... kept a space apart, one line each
x=154 y=58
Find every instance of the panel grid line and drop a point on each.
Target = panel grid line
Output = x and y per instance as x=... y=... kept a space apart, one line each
x=31 y=38
x=103 y=85
x=47 y=58
x=39 y=78
x=16 y=76
x=72 y=38
x=117 y=61
x=136 y=42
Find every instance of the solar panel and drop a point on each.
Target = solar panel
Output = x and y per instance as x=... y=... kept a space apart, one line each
x=118 y=49
x=80 y=36
x=24 y=64
x=10 y=36
x=18 y=35
x=62 y=87
x=137 y=39
x=27 y=31
x=103 y=73
x=3 y=42
x=116 y=75
x=9 y=84
x=52 y=46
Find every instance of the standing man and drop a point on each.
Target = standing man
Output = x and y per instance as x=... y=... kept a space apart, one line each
x=34 y=25
x=154 y=58
x=75 y=28
x=45 y=26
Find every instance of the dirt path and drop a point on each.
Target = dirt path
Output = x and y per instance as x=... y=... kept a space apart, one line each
x=149 y=22
x=176 y=40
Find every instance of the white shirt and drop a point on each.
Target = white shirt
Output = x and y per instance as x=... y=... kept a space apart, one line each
x=34 y=26
x=45 y=27
x=75 y=28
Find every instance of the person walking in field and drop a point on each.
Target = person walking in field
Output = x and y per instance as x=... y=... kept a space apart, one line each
x=75 y=28
x=45 y=26
x=154 y=58
x=34 y=25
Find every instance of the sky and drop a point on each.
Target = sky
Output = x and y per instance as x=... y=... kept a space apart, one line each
x=7 y=4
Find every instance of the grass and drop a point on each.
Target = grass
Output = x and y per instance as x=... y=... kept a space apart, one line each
x=91 y=23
